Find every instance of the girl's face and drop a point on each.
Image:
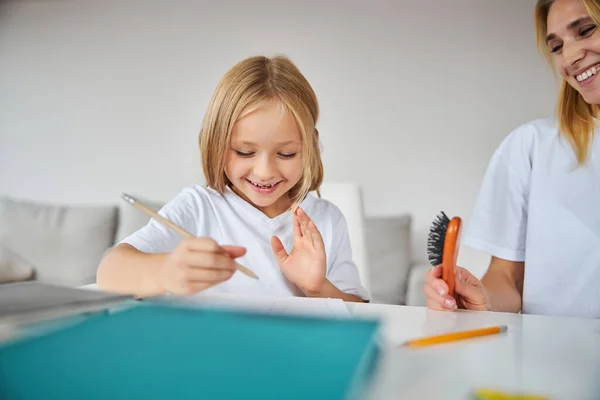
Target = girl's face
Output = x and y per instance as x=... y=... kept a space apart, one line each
x=264 y=158
x=574 y=40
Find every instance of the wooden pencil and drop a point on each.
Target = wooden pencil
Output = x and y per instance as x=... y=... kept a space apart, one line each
x=142 y=207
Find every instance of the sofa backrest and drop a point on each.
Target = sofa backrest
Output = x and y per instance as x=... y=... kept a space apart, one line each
x=63 y=244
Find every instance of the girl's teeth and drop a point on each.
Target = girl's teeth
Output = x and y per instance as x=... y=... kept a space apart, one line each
x=261 y=186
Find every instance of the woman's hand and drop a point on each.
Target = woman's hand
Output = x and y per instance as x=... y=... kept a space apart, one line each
x=469 y=292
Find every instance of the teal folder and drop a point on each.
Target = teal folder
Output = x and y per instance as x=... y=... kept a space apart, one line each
x=166 y=352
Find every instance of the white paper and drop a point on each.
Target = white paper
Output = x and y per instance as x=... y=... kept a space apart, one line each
x=335 y=308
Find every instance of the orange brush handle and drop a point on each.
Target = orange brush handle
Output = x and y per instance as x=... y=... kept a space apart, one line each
x=450 y=254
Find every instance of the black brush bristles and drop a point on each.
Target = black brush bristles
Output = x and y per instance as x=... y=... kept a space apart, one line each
x=436 y=238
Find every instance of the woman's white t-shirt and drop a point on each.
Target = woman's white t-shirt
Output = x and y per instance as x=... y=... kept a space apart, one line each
x=535 y=205
x=230 y=220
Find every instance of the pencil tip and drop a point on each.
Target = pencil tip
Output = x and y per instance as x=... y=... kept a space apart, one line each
x=503 y=328
x=128 y=198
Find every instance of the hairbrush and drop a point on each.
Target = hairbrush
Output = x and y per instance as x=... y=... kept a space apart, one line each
x=443 y=243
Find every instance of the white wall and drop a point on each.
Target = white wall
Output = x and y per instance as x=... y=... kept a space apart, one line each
x=101 y=97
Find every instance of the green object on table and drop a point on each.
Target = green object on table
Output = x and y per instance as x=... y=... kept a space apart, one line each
x=158 y=351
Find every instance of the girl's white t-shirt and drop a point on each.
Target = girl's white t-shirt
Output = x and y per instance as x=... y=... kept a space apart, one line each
x=230 y=220
x=535 y=205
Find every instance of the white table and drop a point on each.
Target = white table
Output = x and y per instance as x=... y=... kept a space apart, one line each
x=556 y=357
x=552 y=356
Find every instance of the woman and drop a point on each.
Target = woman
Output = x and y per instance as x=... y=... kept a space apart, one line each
x=538 y=210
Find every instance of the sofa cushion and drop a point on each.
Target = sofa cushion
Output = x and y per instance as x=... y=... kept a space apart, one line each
x=64 y=244
x=131 y=219
x=415 y=296
x=13 y=268
x=389 y=255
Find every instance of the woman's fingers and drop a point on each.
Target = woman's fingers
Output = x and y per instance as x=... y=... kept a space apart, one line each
x=440 y=302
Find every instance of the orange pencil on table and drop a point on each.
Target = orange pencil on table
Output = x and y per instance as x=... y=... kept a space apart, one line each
x=455 y=336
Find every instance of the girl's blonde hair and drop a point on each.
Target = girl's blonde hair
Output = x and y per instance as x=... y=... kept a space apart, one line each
x=244 y=86
x=576 y=117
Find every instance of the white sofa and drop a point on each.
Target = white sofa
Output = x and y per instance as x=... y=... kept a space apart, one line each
x=64 y=243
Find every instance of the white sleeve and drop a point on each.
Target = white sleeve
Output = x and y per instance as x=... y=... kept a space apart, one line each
x=342 y=271
x=183 y=210
x=498 y=223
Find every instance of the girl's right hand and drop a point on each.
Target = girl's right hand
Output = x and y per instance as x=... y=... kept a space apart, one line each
x=197 y=264
x=469 y=292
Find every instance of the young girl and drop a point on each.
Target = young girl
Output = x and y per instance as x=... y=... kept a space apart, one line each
x=261 y=158
x=538 y=212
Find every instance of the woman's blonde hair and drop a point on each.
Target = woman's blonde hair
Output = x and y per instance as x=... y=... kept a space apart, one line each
x=575 y=115
x=244 y=86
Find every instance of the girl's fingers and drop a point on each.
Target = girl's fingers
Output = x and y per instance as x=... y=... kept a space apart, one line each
x=201 y=244
x=305 y=221
x=210 y=275
x=278 y=250
x=296 y=221
x=317 y=239
x=302 y=222
x=195 y=259
x=234 y=251
x=195 y=287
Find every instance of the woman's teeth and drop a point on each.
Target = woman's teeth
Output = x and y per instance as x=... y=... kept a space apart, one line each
x=588 y=74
